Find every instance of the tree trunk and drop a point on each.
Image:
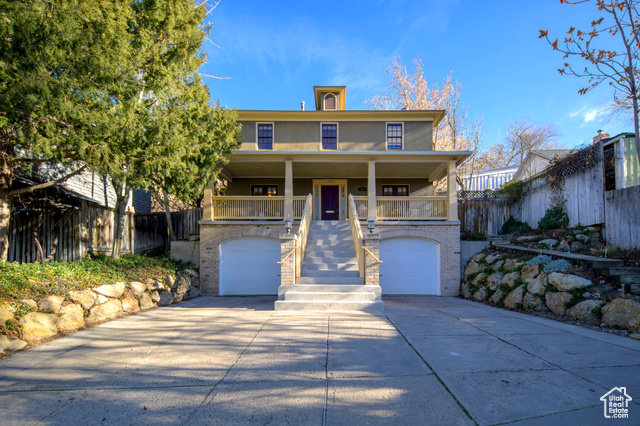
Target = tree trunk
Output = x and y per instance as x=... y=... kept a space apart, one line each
x=5 y=221
x=636 y=123
x=122 y=199
x=167 y=212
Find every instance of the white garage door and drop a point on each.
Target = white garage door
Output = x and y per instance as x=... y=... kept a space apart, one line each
x=409 y=266
x=249 y=266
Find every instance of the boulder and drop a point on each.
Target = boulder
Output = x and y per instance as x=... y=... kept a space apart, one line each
x=195 y=282
x=166 y=298
x=556 y=265
x=478 y=257
x=111 y=290
x=495 y=297
x=557 y=301
x=497 y=265
x=533 y=303
x=471 y=268
x=582 y=237
x=566 y=282
x=578 y=246
x=108 y=310
x=194 y=292
x=563 y=246
x=38 y=325
x=481 y=276
x=538 y=285
x=595 y=236
x=540 y=259
x=154 y=285
x=464 y=290
x=529 y=238
x=129 y=302
x=100 y=299
x=146 y=302
x=50 y=303
x=7 y=344
x=584 y=310
x=593 y=229
x=190 y=273
x=72 y=317
x=551 y=242
x=529 y=272
x=510 y=279
x=183 y=284
x=86 y=298
x=170 y=281
x=623 y=313
x=6 y=313
x=514 y=298
x=596 y=245
x=481 y=294
x=31 y=303
x=137 y=288
x=494 y=280
x=509 y=265
x=492 y=258
x=155 y=296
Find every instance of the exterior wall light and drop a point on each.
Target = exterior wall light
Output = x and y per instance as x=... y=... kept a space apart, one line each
x=372 y=224
x=287 y=224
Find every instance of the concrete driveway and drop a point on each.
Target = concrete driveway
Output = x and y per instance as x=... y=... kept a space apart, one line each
x=427 y=360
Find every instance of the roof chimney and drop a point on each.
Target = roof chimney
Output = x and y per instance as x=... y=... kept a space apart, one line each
x=302 y=106
x=600 y=136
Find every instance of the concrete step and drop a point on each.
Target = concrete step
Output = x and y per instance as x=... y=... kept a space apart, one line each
x=353 y=272
x=307 y=267
x=314 y=296
x=299 y=305
x=315 y=258
x=322 y=251
x=328 y=288
x=326 y=242
x=330 y=280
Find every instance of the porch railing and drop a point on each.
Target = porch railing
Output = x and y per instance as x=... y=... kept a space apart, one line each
x=303 y=232
x=235 y=207
x=356 y=233
x=412 y=208
x=361 y=206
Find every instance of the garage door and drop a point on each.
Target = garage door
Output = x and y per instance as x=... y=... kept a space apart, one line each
x=249 y=266
x=409 y=266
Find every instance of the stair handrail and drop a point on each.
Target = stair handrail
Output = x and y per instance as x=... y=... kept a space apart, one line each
x=302 y=234
x=356 y=233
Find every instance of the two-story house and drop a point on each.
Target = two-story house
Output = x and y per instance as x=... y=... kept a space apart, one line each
x=358 y=188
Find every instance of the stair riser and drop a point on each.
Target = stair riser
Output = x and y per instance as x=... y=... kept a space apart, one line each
x=329 y=267
x=330 y=280
x=330 y=297
x=284 y=305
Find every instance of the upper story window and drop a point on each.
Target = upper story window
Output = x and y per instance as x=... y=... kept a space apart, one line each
x=395 y=190
x=394 y=135
x=329 y=101
x=329 y=136
x=265 y=136
x=264 y=190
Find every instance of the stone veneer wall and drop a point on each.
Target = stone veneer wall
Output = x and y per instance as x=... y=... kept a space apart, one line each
x=448 y=235
x=212 y=234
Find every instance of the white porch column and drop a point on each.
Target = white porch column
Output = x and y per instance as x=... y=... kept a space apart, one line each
x=371 y=190
x=288 y=189
x=452 y=191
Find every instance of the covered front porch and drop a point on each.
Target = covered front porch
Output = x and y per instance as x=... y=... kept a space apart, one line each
x=387 y=186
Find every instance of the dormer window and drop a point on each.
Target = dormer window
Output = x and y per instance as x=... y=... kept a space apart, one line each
x=330 y=102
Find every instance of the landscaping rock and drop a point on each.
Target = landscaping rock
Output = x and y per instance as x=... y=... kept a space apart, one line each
x=7 y=344
x=594 y=236
x=190 y=273
x=596 y=245
x=100 y=299
x=129 y=302
x=6 y=313
x=509 y=265
x=153 y=285
x=137 y=288
x=464 y=290
x=593 y=229
x=494 y=280
x=529 y=272
x=582 y=237
x=497 y=265
x=146 y=302
x=538 y=285
x=584 y=310
x=481 y=294
x=108 y=310
x=510 y=279
x=578 y=246
x=155 y=296
x=495 y=298
x=111 y=290
x=557 y=301
x=38 y=325
x=31 y=303
x=538 y=260
x=563 y=246
x=72 y=317
x=481 y=276
x=556 y=265
x=183 y=284
x=566 y=282
x=551 y=242
x=194 y=292
x=86 y=298
x=195 y=282
x=514 y=298
x=166 y=298
x=533 y=303
x=471 y=268
x=622 y=313
x=50 y=303
x=529 y=238
x=492 y=258
x=170 y=281
x=478 y=257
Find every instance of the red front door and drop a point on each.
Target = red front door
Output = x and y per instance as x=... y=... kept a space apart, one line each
x=330 y=196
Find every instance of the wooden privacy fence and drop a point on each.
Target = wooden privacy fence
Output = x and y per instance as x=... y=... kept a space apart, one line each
x=485 y=215
x=64 y=235
x=622 y=224
x=185 y=223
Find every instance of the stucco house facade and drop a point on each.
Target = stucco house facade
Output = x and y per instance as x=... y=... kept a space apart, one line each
x=332 y=171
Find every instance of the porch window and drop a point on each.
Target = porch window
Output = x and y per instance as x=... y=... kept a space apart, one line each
x=265 y=136
x=329 y=136
x=395 y=190
x=394 y=135
x=264 y=190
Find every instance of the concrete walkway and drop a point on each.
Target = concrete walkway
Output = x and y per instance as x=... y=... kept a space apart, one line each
x=427 y=360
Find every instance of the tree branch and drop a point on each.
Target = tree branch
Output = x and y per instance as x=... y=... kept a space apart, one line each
x=33 y=188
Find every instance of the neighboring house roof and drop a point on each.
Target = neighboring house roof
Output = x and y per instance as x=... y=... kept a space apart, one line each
x=537 y=160
x=550 y=154
x=488 y=178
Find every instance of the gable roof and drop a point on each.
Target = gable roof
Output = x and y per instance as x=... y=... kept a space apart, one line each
x=550 y=154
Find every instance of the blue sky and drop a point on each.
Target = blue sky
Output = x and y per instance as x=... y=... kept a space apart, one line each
x=274 y=52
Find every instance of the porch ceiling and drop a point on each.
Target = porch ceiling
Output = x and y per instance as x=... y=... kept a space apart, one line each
x=342 y=164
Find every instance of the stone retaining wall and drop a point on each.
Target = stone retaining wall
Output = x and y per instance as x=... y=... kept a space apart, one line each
x=36 y=320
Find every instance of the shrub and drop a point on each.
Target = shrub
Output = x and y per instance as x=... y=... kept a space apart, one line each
x=514 y=226
x=554 y=218
x=472 y=236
